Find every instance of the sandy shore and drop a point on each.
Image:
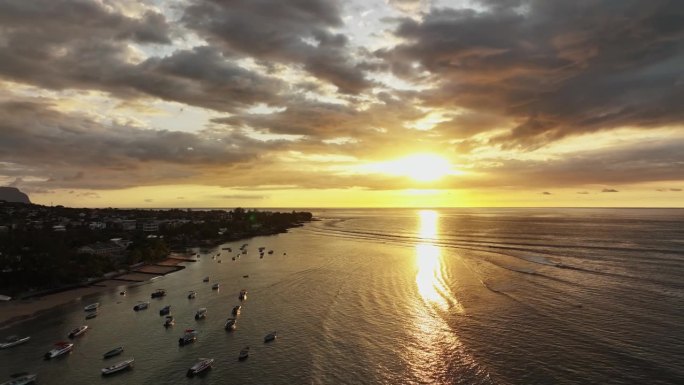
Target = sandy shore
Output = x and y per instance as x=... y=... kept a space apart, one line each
x=13 y=312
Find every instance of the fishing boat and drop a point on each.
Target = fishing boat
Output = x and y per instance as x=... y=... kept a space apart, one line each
x=13 y=341
x=236 y=310
x=189 y=337
x=206 y=279
x=201 y=313
x=231 y=324
x=271 y=336
x=244 y=353
x=78 y=331
x=201 y=365
x=158 y=293
x=192 y=294
x=91 y=315
x=114 y=352
x=141 y=306
x=243 y=295
x=22 y=379
x=92 y=307
x=169 y=321
x=215 y=286
x=118 y=367
x=165 y=310
x=59 y=349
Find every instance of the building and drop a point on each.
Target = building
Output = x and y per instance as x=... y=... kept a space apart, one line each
x=107 y=249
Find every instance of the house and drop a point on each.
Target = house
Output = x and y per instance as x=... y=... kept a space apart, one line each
x=107 y=249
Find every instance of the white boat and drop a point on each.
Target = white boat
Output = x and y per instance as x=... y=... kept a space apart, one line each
x=244 y=353
x=13 y=341
x=201 y=313
x=92 y=306
x=271 y=336
x=192 y=294
x=123 y=365
x=201 y=365
x=141 y=306
x=230 y=324
x=215 y=286
x=236 y=310
x=78 y=331
x=243 y=295
x=22 y=380
x=60 y=348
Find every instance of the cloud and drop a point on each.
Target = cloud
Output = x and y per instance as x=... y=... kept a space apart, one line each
x=583 y=192
x=293 y=33
x=609 y=190
x=675 y=189
x=546 y=193
x=555 y=69
x=237 y=196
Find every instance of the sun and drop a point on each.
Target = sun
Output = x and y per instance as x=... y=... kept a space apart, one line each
x=419 y=167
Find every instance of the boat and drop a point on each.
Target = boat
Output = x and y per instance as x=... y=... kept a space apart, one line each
x=201 y=365
x=59 y=349
x=141 y=306
x=236 y=310
x=92 y=307
x=206 y=279
x=215 y=286
x=243 y=295
x=189 y=337
x=201 y=313
x=91 y=315
x=22 y=379
x=122 y=292
x=270 y=251
x=245 y=276
x=119 y=366
x=244 y=353
x=165 y=310
x=158 y=294
x=271 y=336
x=192 y=294
x=114 y=352
x=169 y=321
x=219 y=261
x=78 y=331
x=233 y=258
x=231 y=324
x=13 y=341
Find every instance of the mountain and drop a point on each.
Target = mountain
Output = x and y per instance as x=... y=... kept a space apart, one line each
x=12 y=194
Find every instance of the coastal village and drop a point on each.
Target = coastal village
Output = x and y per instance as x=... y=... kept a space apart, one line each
x=45 y=249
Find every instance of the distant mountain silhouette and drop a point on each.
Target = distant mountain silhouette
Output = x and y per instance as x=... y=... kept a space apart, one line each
x=12 y=194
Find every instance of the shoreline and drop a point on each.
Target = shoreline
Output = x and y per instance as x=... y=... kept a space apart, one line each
x=16 y=311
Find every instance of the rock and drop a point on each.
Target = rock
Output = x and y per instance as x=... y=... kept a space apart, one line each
x=12 y=194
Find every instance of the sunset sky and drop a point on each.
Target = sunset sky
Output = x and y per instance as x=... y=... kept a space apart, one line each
x=323 y=103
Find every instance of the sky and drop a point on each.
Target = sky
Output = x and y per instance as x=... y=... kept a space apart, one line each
x=324 y=103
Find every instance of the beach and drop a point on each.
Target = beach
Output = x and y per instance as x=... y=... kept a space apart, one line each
x=16 y=311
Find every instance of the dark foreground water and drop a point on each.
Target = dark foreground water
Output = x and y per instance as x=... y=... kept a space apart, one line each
x=524 y=296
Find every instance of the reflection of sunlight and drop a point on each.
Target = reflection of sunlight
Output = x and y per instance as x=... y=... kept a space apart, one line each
x=429 y=261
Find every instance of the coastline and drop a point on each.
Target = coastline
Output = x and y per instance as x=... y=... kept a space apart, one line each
x=17 y=311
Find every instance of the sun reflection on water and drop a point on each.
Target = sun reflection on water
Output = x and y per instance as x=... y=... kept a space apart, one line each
x=428 y=257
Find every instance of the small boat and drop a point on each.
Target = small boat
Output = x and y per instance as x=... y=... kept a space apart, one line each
x=59 y=349
x=243 y=295
x=245 y=276
x=270 y=251
x=189 y=337
x=206 y=279
x=114 y=352
x=123 y=365
x=22 y=379
x=261 y=256
x=244 y=353
x=201 y=365
x=169 y=321
x=165 y=310
x=219 y=261
x=122 y=292
x=92 y=307
x=233 y=258
x=13 y=341
x=236 y=310
x=271 y=336
x=215 y=286
x=192 y=294
x=78 y=331
x=201 y=313
x=91 y=315
x=158 y=294
x=141 y=306
x=231 y=324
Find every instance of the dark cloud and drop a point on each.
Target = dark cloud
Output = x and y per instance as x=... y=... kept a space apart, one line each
x=546 y=193
x=290 y=32
x=675 y=189
x=609 y=190
x=555 y=68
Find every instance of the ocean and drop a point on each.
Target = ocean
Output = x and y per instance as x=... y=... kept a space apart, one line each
x=402 y=296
